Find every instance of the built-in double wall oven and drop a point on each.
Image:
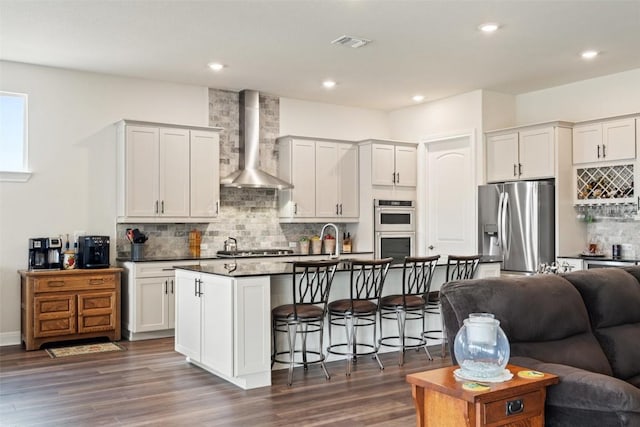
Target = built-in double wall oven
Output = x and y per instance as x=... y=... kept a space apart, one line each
x=394 y=229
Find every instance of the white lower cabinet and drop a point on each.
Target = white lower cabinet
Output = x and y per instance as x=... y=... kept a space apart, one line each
x=223 y=326
x=148 y=299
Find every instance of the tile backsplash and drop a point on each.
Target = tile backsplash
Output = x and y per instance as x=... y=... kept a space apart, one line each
x=250 y=215
x=609 y=232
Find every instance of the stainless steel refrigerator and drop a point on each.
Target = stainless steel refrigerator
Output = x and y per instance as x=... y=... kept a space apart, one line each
x=516 y=224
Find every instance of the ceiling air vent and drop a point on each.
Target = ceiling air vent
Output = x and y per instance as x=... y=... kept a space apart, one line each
x=351 y=41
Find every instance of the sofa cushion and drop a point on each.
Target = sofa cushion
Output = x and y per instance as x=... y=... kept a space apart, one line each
x=612 y=298
x=543 y=317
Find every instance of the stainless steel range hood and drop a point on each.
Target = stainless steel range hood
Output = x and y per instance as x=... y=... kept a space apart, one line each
x=249 y=174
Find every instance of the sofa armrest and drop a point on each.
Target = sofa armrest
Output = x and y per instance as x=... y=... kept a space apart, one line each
x=580 y=389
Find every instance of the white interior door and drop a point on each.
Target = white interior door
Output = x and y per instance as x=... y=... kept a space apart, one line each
x=450 y=199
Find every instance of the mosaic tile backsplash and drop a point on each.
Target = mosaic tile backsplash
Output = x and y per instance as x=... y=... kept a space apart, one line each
x=249 y=215
x=610 y=232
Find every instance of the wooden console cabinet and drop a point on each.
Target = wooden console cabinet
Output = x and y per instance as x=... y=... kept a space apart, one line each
x=69 y=304
x=441 y=401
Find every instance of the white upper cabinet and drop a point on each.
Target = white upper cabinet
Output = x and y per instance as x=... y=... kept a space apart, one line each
x=522 y=154
x=205 y=178
x=325 y=178
x=336 y=180
x=605 y=141
x=393 y=165
x=297 y=159
x=167 y=173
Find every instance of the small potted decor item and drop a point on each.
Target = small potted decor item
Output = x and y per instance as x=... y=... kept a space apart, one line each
x=316 y=245
x=303 y=244
x=482 y=349
x=329 y=244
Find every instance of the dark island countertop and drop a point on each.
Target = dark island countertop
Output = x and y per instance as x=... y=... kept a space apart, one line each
x=214 y=257
x=271 y=267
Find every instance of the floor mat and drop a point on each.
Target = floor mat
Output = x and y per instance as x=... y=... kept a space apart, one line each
x=77 y=350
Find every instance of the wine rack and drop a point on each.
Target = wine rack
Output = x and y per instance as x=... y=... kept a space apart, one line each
x=610 y=184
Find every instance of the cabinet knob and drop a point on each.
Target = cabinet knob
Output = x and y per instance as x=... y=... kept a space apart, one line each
x=431 y=247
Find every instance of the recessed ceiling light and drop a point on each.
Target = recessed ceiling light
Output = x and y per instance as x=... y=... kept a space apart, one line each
x=328 y=84
x=418 y=98
x=589 y=54
x=215 y=66
x=488 y=27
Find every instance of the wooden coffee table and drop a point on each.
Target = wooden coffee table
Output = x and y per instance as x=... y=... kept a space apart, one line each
x=442 y=401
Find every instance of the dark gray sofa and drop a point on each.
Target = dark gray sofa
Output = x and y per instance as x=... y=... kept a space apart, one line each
x=583 y=326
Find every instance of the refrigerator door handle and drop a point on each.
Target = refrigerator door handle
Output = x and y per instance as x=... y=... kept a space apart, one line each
x=500 y=202
x=505 y=237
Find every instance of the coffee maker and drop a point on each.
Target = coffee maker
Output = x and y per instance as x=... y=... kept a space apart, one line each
x=44 y=253
x=93 y=251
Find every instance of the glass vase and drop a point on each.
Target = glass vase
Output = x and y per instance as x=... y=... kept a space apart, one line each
x=481 y=347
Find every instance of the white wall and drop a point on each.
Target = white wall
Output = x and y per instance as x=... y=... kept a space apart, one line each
x=607 y=96
x=314 y=119
x=72 y=156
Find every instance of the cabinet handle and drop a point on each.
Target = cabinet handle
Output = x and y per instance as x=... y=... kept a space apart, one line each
x=168 y=269
x=340 y=208
x=393 y=177
x=514 y=406
x=598 y=151
x=519 y=169
x=217 y=207
x=55 y=284
x=162 y=211
x=295 y=209
x=156 y=206
x=165 y=288
x=195 y=287
x=337 y=209
x=514 y=170
x=604 y=152
x=398 y=178
x=172 y=291
x=96 y=281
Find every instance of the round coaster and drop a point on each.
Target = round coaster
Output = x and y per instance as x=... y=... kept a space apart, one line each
x=530 y=374
x=475 y=387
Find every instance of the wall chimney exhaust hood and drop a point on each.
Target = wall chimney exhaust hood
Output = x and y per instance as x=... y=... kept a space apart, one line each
x=249 y=175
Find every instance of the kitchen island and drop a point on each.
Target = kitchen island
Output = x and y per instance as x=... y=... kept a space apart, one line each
x=223 y=313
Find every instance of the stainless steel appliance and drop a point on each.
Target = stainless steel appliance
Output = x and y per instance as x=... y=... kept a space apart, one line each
x=44 y=253
x=93 y=251
x=516 y=222
x=601 y=263
x=394 y=229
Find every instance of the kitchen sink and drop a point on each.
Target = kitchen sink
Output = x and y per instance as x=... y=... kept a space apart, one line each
x=254 y=253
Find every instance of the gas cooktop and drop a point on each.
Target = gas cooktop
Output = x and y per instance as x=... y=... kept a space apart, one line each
x=253 y=253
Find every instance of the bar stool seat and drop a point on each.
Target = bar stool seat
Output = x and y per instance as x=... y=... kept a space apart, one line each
x=458 y=268
x=359 y=310
x=311 y=283
x=417 y=274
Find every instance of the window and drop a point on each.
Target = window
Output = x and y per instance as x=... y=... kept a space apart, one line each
x=13 y=137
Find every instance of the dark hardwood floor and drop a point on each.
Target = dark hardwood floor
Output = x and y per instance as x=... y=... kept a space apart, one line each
x=150 y=384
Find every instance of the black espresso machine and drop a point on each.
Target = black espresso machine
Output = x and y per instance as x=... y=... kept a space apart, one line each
x=93 y=252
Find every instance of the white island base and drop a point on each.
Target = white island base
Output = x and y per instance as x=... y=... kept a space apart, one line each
x=223 y=317
x=223 y=325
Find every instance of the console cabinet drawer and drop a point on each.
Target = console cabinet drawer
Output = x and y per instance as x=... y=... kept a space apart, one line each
x=70 y=283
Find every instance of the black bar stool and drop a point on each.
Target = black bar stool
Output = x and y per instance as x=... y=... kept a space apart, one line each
x=359 y=310
x=458 y=268
x=417 y=274
x=311 y=282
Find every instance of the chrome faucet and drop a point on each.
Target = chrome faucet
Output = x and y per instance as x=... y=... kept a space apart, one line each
x=337 y=254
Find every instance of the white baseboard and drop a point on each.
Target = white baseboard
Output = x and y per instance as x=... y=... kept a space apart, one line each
x=10 y=338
